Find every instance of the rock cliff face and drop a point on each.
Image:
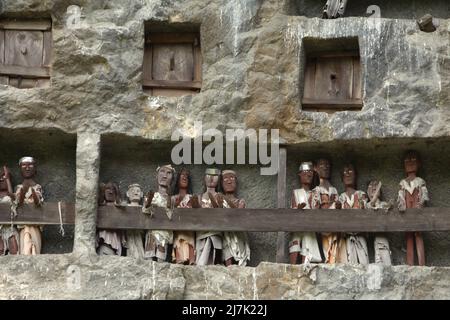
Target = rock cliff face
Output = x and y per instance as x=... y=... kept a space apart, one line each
x=252 y=72
x=253 y=62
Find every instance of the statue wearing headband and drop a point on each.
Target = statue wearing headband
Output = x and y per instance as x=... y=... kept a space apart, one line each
x=304 y=245
x=235 y=244
x=109 y=242
x=134 y=241
x=183 y=241
x=356 y=245
x=29 y=193
x=9 y=236
x=381 y=243
x=413 y=193
x=157 y=241
x=326 y=197
x=209 y=243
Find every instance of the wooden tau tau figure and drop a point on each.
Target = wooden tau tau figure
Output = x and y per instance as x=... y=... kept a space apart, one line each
x=356 y=245
x=303 y=246
x=236 y=249
x=381 y=243
x=109 y=242
x=134 y=238
x=334 y=9
x=413 y=193
x=326 y=197
x=157 y=241
x=9 y=236
x=184 y=241
x=29 y=193
x=209 y=243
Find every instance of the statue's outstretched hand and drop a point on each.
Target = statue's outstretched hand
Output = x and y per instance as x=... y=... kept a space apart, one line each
x=301 y=205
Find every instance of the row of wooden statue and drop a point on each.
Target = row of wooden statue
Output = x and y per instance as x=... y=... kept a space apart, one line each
x=188 y=247
x=352 y=247
x=201 y=248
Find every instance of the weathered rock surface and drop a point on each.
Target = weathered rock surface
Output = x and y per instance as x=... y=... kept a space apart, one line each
x=69 y=277
x=252 y=78
x=252 y=72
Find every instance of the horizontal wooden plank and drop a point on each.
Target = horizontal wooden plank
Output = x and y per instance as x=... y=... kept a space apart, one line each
x=47 y=214
x=427 y=219
x=172 y=84
x=30 y=72
x=172 y=37
x=11 y=24
x=110 y=217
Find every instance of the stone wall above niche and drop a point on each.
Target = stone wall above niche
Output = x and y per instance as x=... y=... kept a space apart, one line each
x=332 y=79
x=127 y=160
x=250 y=73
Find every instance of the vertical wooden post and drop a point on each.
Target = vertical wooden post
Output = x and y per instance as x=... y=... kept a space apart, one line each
x=281 y=199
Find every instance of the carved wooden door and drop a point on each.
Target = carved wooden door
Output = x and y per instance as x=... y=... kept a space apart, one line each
x=25 y=53
x=332 y=82
x=172 y=64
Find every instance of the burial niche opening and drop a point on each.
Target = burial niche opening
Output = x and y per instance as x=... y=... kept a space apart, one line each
x=332 y=78
x=25 y=52
x=172 y=60
x=53 y=152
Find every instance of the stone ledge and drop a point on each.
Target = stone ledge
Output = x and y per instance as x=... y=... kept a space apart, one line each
x=72 y=276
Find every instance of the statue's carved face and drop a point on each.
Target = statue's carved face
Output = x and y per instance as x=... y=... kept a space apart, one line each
x=349 y=175
x=412 y=163
x=229 y=183
x=306 y=177
x=135 y=194
x=27 y=169
x=183 y=183
x=372 y=189
x=110 y=193
x=211 y=181
x=165 y=176
x=323 y=168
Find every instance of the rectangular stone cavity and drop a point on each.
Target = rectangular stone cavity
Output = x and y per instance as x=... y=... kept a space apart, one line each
x=400 y=9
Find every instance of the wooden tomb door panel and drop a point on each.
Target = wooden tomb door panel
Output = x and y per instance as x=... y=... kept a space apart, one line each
x=310 y=79
x=334 y=78
x=3 y=79
x=29 y=49
x=173 y=62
